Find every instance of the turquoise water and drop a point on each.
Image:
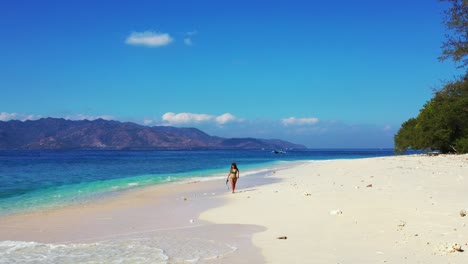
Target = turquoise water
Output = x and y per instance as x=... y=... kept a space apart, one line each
x=33 y=180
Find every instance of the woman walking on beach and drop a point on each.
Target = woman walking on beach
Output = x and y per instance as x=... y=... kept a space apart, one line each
x=233 y=176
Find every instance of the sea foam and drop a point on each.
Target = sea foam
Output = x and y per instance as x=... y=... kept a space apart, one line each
x=159 y=249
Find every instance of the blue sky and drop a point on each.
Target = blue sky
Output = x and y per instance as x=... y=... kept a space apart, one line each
x=326 y=74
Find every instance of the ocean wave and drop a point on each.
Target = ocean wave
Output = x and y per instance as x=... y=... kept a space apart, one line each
x=158 y=250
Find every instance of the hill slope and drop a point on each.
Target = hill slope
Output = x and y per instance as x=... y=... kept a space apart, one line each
x=56 y=133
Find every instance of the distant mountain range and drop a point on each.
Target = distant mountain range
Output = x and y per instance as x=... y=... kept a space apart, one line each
x=57 y=133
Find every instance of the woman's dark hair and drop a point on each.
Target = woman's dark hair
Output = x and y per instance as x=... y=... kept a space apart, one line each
x=235 y=165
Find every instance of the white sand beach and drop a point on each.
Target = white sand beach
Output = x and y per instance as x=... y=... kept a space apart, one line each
x=402 y=209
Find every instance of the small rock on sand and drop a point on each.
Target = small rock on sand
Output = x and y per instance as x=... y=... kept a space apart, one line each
x=401 y=225
x=282 y=237
x=462 y=213
x=336 y=212
x=456 y=248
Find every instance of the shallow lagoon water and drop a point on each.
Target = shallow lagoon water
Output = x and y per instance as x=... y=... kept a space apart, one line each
x=36 y=180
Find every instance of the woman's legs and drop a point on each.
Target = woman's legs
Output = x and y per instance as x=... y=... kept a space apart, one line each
x=233 y=184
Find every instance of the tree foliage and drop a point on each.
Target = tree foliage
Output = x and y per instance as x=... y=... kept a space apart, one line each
x=456 y=21
x=442 y=124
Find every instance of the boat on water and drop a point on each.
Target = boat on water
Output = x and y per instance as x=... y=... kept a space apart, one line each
x=279 y=151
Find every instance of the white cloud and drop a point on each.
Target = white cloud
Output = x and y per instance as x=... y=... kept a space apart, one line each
x=182 y=118
x=189 y=35
x=187 y=118
x=149 y=38
x=88 y=117
x=4 y=116
x=188 y=41
x=22 y=117
x=226 y=118
x=7 y=116
x=387 y=128
x=147 y=121
x=299 y=121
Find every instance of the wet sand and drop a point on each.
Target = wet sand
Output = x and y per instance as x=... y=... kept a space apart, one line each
x=402 y=209
x=167 y=213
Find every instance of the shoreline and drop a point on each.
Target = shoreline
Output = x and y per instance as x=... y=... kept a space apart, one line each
x=396 y=209
x=170 y=211
x=133 y=185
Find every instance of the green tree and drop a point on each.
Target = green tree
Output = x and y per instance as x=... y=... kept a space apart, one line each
x=442 y=124
x=456 y=21
x=407 y=136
